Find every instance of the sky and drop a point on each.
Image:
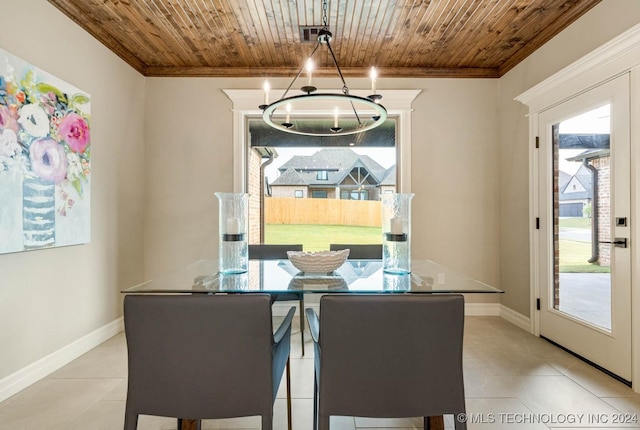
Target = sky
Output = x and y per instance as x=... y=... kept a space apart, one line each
x=595 y=121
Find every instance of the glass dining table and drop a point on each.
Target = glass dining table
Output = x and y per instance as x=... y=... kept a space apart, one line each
x=280 y=276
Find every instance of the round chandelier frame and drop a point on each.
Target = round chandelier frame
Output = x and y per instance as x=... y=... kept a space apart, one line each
x=379 y=117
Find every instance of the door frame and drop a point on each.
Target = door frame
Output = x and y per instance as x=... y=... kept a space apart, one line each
x=616 y=57
x=562 y=327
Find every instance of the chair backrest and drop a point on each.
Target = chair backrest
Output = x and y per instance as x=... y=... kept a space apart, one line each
x=199 y=356
x=271 y=252
x=359 y=251
x=391 y=355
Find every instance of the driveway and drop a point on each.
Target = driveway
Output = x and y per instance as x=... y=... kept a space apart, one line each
x=575 y=234
x=587 y=296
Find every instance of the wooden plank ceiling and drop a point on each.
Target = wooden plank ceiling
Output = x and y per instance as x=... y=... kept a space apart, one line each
x=402 y=38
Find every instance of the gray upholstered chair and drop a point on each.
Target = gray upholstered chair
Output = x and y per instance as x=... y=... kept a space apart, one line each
x=204 y=357
x=359 y=251
x=388 y=356
x=275 y=252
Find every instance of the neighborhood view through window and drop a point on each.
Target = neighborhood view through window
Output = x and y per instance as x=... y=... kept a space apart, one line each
x=313 y=192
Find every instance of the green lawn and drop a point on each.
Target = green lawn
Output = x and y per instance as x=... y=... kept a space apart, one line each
x=575 y=222
x=317 y=237
x=574 y=258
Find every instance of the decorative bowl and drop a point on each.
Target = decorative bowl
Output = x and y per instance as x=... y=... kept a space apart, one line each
x=318 y=262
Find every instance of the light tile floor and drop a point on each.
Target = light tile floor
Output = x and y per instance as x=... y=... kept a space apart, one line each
x=513 y=380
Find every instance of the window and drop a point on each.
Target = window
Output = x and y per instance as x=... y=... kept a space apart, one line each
x=319 y=191
x=359 y=195
x=258 y=150
x=354 y=195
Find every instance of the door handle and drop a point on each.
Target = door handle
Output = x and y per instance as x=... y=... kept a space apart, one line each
x=619 y=242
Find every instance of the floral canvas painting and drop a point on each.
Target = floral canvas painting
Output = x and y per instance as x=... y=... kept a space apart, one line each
x=45 y=159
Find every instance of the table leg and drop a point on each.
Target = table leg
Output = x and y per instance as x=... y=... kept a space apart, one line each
x=434 y=423
x=186 y=424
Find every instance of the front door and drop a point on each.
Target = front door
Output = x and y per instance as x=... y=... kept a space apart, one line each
x=584 y=201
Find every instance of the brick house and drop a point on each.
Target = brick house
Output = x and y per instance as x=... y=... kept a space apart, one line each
x=333 y=173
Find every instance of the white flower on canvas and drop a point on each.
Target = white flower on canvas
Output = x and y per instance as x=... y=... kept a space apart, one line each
x=9 y=147
x=74 y=168
x=34 y=120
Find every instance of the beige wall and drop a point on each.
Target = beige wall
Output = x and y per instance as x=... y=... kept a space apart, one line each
x=189 y=158
x=455 y=176
x=454 y=169
x=51 y=298
x=606 y=20
x=290 y=191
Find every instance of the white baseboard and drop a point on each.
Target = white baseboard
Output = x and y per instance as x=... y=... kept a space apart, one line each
x=281 y=309
x=482 y=309
x=515 y=318
x=34 y=372
x=470 y=309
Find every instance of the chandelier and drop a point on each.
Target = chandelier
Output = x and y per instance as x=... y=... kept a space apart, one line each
x=351 y=114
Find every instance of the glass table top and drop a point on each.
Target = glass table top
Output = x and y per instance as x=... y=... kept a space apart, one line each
x=280 y=276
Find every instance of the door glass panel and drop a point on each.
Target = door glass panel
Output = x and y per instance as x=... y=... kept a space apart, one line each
x=582 y=217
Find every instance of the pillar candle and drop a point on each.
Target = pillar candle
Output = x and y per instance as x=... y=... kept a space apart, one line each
x=396 y=225
x=233 y=225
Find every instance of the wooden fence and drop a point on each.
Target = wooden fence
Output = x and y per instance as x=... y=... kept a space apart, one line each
x=287 y=210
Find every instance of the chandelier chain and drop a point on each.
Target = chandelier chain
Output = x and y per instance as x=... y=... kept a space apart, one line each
x=325 y=22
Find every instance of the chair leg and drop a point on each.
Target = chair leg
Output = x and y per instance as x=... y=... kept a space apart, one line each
x=289 y=419
x=267 y=422
x=435 y=422
x=189 y=424
x=459 y=425
x=427 y=423
x=324 y=422
x=315 y=401
x=130 y=420
x=302 y=321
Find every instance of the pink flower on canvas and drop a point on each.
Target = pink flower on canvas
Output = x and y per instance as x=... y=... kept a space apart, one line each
x=74 y=130
x=8 y=119
x=48 y=160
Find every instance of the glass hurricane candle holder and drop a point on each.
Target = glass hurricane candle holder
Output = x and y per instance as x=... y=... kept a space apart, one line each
x=395 y=282
x=233 y=226
x=396 y=233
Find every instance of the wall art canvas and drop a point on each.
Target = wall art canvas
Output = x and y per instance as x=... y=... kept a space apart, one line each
x=45 y=159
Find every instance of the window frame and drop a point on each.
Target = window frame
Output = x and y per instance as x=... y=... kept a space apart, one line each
x=245 y=105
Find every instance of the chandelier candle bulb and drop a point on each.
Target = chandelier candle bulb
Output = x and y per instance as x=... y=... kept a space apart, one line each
x=309 y=70
x=288 y=115
x=373 y=74
x=335 y=117
x=267 y=88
